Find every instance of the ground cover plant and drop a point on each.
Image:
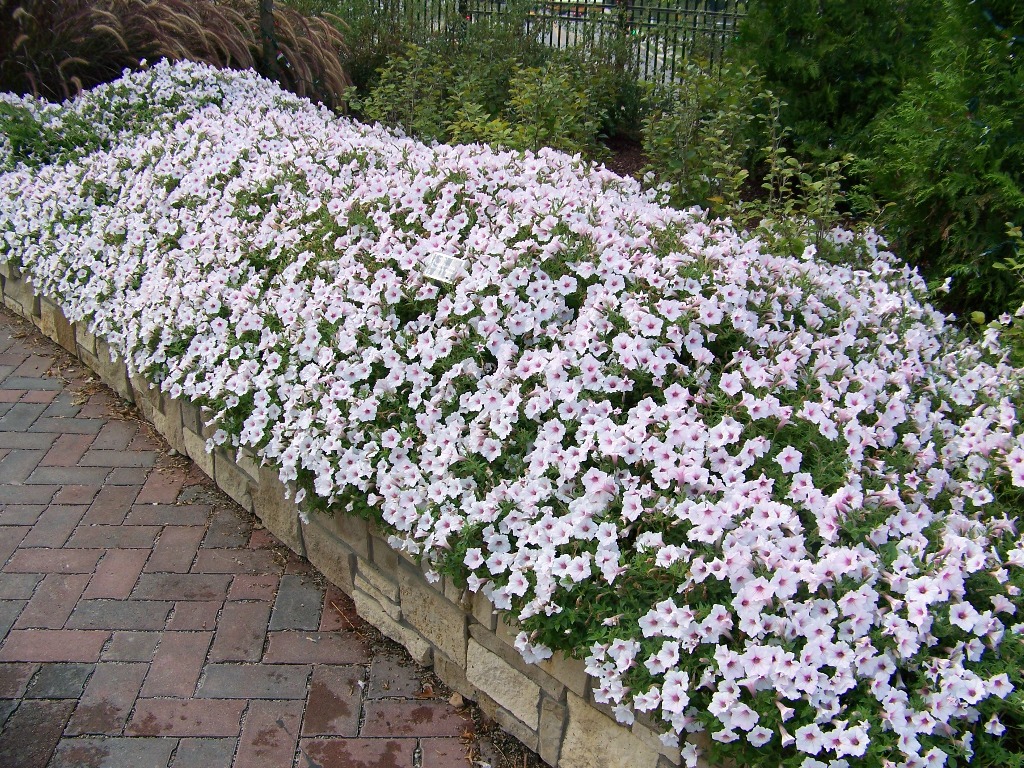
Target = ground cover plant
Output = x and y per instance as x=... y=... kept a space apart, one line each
x=767 y=497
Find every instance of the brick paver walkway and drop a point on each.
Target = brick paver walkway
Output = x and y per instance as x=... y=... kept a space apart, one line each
x=146 y=622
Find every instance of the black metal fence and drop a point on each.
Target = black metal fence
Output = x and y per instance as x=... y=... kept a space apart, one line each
x=656 y=36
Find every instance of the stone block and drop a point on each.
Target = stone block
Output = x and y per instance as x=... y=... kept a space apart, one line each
x=112 y=371
x=454 y=676
x=511 y=725
x=10 y=270
x=487 y=705
x=552 y=729
x=379 y=581
x=554 y=688
x=56 y=326
x=381 y=553
x=207 y=429
x=593 y=740
x=13 y=304
x=433 y=615
x=326 y=554
x=19 y=297
x=66 y=334
x=484 y=612
x=47 y=320
x=195 y=448
x=332 y=560
x=14 y=285
x=351 y=529
x=453 y=592
x=230 y=479
x=190 y=417
x=507 y=686
x=384 y=556
x=85 y=339
x=88 y=358
x=280 y=516
x=506 y=630
x=571 y=673
x=146 y=397
x=248 y=463
x=390 y=607
x=491 y=643
x=420 y=649
x=652 y=738
x=167 y=420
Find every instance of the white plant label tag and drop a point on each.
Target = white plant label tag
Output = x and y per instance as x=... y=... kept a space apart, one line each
x=445 y=268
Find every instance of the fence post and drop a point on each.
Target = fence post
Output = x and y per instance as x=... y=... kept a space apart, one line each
x=267 y=33
x=463 y=23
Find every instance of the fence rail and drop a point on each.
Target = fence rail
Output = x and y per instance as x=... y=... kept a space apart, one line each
x=659 y=35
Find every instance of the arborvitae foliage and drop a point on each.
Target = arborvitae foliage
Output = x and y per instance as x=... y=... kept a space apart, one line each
x=835 y=63
x=950 y=155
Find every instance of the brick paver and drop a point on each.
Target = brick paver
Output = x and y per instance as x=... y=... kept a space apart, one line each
x=146 y=620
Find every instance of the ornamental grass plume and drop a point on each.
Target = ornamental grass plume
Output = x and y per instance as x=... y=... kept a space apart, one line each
x=55 y=49
x=769 y=497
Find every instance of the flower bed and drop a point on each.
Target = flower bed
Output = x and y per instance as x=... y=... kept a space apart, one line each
x=768 y=497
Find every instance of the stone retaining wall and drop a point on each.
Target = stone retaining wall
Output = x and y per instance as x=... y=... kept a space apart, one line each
x=547 y=706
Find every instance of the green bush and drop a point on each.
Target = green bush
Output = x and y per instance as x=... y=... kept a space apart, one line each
x=552 y=106
x=718 y=140
x=607 y=66
x=494 y=81
x=412 y=93
x=700 y=136
x=466 y=95
x=488 y=54
x=949 y=157
x=835 y=63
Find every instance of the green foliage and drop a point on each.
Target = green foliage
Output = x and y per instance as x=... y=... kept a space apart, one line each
x=800 y=200
x=950 y=155
x=472 y=124
x=35 y=142
x=700 y=137
x=607 y=67
x=24 y=134
x=485 y=58
x=493 y=81
x=552 y=106
x=719 y=141
x=835 y=63
x=412 y=93
x=1014 y=264
x=469 y=96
